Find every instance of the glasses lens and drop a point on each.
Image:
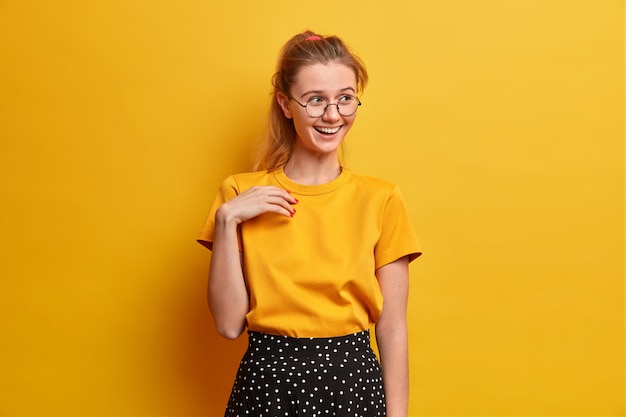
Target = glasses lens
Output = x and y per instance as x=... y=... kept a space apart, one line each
x=316 y=107
x=348 y=105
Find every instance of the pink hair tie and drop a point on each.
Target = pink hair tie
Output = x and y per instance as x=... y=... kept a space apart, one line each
x=314 y=38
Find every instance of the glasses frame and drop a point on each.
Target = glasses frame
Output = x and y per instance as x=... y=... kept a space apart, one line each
x=329 y=104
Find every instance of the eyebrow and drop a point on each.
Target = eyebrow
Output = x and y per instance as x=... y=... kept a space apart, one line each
x=320 y=92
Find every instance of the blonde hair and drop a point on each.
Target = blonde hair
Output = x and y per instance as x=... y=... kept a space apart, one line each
x=307 y=48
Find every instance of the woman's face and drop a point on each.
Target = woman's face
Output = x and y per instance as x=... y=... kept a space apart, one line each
x=320 y=136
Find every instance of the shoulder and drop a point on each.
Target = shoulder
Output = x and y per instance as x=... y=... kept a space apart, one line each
x=372 y=184
x=384 y=192
x=245 y=180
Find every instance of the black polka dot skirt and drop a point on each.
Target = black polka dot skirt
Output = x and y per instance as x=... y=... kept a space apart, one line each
x=285 y=376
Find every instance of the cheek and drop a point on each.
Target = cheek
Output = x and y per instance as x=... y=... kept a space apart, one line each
x=299 y=122
x=350 y=120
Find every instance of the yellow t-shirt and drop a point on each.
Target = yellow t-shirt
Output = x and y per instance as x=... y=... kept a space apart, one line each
x=313 y=275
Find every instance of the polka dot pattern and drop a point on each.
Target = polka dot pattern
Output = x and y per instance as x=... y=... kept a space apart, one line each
x=284 y=376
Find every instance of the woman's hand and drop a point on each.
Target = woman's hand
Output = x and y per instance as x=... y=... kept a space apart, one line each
x=255 y=201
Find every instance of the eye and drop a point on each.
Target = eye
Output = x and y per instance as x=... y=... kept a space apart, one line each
x=346 y=99
x=316 y=101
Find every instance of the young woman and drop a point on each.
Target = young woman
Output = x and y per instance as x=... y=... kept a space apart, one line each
x=308 y=255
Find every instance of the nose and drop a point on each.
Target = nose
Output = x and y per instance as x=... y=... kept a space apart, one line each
x=332 y=112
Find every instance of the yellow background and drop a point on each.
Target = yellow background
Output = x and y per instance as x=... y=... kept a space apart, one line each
x=502 y=121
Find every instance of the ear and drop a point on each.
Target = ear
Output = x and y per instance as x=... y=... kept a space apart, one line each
x=283 y=102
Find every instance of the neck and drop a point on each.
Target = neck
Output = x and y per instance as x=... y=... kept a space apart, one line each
x=316 y=172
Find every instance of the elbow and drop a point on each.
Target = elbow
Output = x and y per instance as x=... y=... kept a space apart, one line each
x=230 y=321
x=230 y=332
x=229 y=327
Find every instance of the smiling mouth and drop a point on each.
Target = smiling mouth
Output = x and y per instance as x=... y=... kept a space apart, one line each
x=328 y=130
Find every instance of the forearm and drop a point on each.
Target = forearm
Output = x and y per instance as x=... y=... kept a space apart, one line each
x=393 y=348
x=227 y=292
x=392 y=335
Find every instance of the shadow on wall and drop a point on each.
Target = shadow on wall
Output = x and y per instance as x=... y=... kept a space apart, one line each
x=224 y=356
x=207 y=362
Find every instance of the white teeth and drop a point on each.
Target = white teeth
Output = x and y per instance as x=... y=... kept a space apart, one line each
x=328 y=129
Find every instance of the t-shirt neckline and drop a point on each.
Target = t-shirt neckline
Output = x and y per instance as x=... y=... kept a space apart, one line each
x=318 y=189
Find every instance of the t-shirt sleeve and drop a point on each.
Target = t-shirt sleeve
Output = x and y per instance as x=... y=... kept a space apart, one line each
x=397 y=237
x=228 y=189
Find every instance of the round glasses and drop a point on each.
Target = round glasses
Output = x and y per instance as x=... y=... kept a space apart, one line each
x=316 y=106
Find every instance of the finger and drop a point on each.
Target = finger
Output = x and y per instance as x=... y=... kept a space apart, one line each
x=270 y=190
x=290 y=198
x=284 y=204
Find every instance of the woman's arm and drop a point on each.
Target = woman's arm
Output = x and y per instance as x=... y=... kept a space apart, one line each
x=392 y=335
x=227 y=292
